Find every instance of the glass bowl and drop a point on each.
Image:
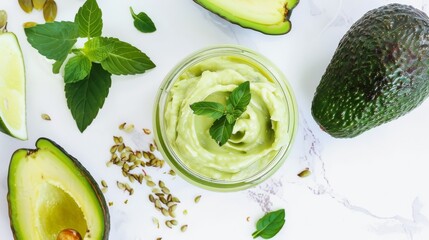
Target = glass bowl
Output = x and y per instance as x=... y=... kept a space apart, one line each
x=262 y=136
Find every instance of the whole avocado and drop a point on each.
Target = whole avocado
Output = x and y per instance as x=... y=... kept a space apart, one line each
x=379 y=72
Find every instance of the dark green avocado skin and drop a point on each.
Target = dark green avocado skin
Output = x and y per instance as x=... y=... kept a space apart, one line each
x=379 y=72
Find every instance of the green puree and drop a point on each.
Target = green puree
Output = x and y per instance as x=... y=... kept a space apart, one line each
x=257 y=135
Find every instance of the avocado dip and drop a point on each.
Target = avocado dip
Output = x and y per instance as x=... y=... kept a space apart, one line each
x=258 y=135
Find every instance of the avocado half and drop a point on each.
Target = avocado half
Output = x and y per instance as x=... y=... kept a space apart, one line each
x=266 y=16
x=50 y=191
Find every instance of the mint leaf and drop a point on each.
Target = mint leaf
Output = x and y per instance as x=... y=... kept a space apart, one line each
x=123 y=59
x=86 y=97
x=98 y=48
x=240 y=96
x=270 y=224
x=57 y=65
x=221 y=130
x=88 y=18
x=211 y=109
x=233 y=115
x=143 y=22
x=77 y=68
x=54 y=39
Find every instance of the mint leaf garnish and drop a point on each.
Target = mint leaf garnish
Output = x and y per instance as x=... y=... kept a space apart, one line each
x=221 y=130
x=88 y=18
x=211 y=109
x=77 y=68
x=125 y=59
x=225 y=116
x=270 y=224
x=240 y=97
x=143 y=22
x=54 y=39
x=86 y=97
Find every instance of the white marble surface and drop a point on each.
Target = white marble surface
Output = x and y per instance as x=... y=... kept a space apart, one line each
x=371 y=187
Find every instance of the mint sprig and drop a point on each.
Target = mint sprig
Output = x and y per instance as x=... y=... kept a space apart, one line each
x=88 y=70
x=143 y=22
x=225 y=116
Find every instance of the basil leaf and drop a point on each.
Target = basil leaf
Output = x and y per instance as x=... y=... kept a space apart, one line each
x=88 y=18
x=211 y=109
x=124 y=59
x=142 y=22
x=98 y=48
x=54 y=39
x=240 y=96
x=77 y=68
x=86 y=97
x=221 y=130
x=270 y=224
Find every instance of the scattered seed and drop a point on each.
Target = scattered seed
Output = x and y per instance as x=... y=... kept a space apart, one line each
x=103 y=183
x=147 y=131
x=304 y=173
x=122 y=125
x=110 y=204
x=104 y=190
x=172 y=172
x=165 y=212
x=197 y=198
x=155 y=221
x=152 y=147
x=248 y=219
x=183 y=228
x=150 y=184
x=168 y=224
x=126 y=201
x=120 y=185
x=158 y=204
x=175 y=199
x=46 y=117
x=151 y=198
x=165 y=190
x=185 y=212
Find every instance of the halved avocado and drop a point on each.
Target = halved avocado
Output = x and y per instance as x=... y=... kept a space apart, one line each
x=266 y=16
x=50 y=191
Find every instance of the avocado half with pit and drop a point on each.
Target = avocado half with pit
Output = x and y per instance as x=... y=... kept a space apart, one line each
x=50 y=191
x=266 y=16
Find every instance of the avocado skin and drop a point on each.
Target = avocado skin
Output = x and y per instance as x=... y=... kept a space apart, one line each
x=378 y=73
x=45 y=142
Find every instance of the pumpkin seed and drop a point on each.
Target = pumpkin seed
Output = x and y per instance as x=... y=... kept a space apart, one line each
x=46 y=117
x=146 y=131
x=38 y=4
x=151 y=198
x=183 y=228
x=122 y=125
x=29 y=24
x=3 y=19
x=103 y=183
x=164 y=212
x=26 y=5
x=156 y=222
x=50 y=10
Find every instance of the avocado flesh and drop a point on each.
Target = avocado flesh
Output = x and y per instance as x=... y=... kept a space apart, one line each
x=50 y=191
x=378 y=73
x=266 y=16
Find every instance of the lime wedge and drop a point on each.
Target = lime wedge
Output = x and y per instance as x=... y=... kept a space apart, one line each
x=12 y=87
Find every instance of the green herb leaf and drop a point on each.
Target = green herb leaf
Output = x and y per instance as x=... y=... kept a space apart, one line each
x=54 y=39
x=221 y=130
x=77 y=68
x=270 y=224
x=88 y=18
x=240 y=96
x=211 y=109
x=98 y=48
x=123 y=59
x=143 y=22
x=57 y=65
x=86 y=97
x=233 y=115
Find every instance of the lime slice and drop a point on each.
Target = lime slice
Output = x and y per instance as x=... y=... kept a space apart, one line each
x=12 y=87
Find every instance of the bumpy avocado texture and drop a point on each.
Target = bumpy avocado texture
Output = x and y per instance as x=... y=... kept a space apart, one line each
x=49 y=192
x=266 y=16
x=378 y=73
